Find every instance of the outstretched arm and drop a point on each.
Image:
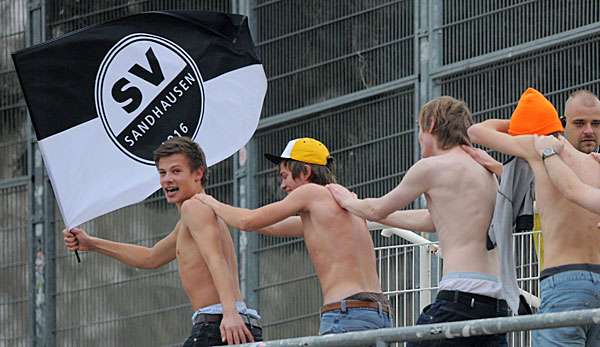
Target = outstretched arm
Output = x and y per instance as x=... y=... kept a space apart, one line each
x=493 y=133
x=564 y=179
x=413 y=185
x=289 y=227
x=133 y=255
x=266 y=216
x=413 y=220
x=202 y=224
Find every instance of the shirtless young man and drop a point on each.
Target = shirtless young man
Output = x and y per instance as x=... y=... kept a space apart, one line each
x=571 y=276
x=339 y=244
x=564 y=179
x=460 y=197
x=200 y=242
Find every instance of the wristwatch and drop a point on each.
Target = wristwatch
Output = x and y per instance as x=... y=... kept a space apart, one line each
x=548 y=152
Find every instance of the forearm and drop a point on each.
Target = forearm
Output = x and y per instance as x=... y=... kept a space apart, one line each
x=289 y=227
x=478 y=132
x=132 y=255
x=570 y=186
x=414 y=220
x=236 y=217
x=365 y=208
x=224 y=282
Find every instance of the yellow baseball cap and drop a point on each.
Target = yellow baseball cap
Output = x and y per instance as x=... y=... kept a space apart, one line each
x=306 y=150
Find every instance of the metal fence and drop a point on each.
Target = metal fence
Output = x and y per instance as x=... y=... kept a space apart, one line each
x=352 y=73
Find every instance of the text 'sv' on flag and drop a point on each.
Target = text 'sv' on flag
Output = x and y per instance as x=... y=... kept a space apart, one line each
x=104 y=98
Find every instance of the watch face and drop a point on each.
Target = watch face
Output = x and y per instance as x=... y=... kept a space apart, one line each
x=548 y=151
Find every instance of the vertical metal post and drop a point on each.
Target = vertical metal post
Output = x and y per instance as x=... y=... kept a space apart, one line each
x=41 y=219
x=422 y=95
x=245 y=196
x=436 y=43
x=249 y=241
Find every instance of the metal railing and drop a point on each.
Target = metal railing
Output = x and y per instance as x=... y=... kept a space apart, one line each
x=478 y=327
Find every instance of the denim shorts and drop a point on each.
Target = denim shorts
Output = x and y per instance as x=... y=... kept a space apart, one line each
x=452 y=311
x=566 y=291
x=353 y=319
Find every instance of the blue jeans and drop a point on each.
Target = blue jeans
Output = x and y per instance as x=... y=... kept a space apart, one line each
x=353 y=319
x=450 y=311
x=567 y=291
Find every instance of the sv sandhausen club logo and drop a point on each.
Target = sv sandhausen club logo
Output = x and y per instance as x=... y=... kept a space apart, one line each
x=148 y=89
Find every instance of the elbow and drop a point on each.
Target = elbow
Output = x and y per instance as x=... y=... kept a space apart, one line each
x=375 y=214
x=151 y=266
x=149 y=262
x=246 y=223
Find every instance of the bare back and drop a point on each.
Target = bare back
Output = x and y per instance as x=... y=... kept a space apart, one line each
x=340 y=247
x=570 y=232
x=193 y=271
x=461 y=198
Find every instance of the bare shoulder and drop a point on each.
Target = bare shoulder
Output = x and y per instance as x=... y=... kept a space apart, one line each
x=429 y=164
x=310 y=190
x=309 y=194
x=193 y=210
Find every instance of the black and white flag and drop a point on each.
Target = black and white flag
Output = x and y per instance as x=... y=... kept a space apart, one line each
x=104 y=98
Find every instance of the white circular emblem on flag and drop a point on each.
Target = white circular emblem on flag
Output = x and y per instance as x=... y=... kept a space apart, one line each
x=148 y=89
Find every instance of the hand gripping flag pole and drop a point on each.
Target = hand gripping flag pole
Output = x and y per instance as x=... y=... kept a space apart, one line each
x=102 y=99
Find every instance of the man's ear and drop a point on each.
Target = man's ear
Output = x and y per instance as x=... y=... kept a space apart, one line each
x=306 y=172
x=431 y=126
x=199 y=175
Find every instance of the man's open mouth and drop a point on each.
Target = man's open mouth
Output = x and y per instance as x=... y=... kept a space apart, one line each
x=172 y=189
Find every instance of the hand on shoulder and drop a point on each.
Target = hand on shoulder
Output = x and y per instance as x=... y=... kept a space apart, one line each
x=204 y=198
x=341 y=194
x=197 y=206
x=484 y=159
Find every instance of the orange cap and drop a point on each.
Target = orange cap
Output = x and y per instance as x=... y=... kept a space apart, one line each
x=534 y=114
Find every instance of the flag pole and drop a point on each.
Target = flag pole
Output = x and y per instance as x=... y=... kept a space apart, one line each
x=76 y=253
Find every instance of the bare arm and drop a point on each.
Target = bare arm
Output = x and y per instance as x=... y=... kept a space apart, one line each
x=202 y=224
x=414 y=220
x=413 y=185
x=289 y=227
x=142 y=257
x=564 y=179
x=493 y=133
x=245 y=219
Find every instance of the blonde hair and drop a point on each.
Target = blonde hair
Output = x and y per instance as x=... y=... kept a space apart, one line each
x=450 y=119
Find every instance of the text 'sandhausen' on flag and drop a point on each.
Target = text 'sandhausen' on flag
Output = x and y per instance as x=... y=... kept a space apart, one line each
x=103 y=98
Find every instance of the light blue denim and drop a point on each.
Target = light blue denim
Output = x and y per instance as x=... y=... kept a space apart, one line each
x=566 y=291
x=353 y=319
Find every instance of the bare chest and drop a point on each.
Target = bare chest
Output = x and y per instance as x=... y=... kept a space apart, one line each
x=188 y=254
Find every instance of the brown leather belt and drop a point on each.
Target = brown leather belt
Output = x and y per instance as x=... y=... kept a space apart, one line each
x=355 y=304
